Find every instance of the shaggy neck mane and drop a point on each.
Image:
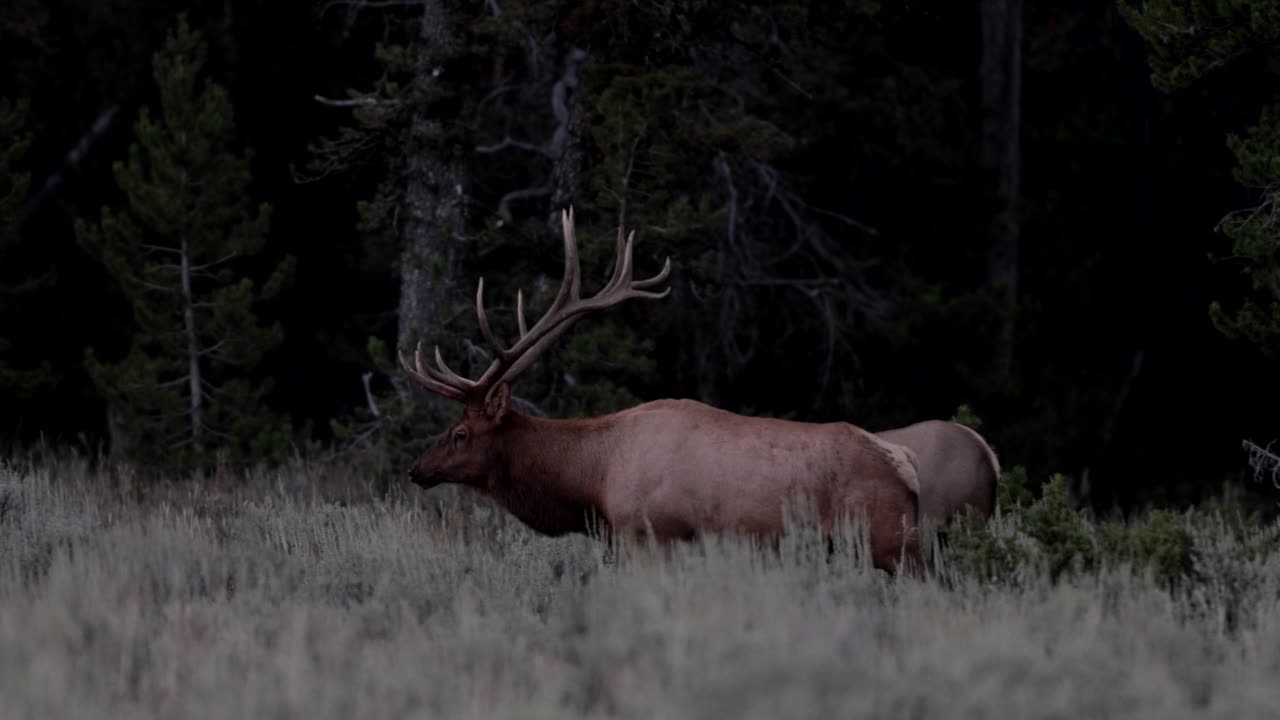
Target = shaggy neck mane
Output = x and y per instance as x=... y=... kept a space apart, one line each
x=552 y=472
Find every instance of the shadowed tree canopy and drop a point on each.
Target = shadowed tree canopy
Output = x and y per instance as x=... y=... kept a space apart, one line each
x=14 y=181
x=177 y=249
x=876 y=213
x=1188 y=43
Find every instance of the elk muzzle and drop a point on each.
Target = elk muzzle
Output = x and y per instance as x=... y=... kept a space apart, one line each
x=422 y=477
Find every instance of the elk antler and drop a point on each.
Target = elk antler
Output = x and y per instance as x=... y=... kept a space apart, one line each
x=567 y=309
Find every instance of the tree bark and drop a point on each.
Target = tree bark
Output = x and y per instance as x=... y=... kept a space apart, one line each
x=567 y=144
x=1001 y=82
x=434 y=208
x=193 y=350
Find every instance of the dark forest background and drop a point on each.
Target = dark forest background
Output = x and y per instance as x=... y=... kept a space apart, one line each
x=1057 y=218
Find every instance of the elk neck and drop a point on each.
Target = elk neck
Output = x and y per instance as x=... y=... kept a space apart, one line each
x=551 y=474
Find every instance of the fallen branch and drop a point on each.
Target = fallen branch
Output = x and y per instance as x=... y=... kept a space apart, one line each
x=1263 y=461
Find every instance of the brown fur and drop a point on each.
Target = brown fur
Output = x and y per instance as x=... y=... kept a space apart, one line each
x=675 y=468
x=957 y=468
x=668 y=469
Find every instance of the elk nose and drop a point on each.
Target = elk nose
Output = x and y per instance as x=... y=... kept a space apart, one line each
x=421 y=479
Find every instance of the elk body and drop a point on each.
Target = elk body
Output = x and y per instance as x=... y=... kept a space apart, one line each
x=667 y=469
x=957 y=468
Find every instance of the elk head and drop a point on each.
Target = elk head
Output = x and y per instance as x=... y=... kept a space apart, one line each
x=470 y=451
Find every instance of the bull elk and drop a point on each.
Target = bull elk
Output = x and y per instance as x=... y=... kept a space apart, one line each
x=667 y=469
x=957 y=468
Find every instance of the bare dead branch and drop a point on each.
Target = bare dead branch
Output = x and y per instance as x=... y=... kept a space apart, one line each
x=368 y=395
x=560 y=98
x=214 y=263
x=504 y=209
x=216 y=432
x=771 y=177
x=161 y=248
x=749 y=260
x=157 y=287
x=76 y=154
x=554 y=147
x=336 y=156
x=205 y=352
x=150 y=386
x=509 y=142
x=497 y=92
x=793 y=84
x=626 y=182
x=722 y=166
x=1263 y=461
x=355 y=6
x=355 y=102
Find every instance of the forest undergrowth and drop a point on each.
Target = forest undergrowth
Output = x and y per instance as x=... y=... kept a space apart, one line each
x=303 y=593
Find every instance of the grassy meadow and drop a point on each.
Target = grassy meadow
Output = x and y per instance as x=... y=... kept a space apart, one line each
x=297 y=594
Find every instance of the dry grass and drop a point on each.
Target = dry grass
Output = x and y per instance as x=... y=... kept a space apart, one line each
x=269 y=603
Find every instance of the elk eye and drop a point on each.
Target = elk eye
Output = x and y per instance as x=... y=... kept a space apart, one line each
x=460 y=434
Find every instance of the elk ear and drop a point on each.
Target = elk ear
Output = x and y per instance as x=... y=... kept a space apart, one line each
x=495 y=404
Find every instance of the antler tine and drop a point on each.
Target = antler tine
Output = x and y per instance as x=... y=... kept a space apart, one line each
x=448 y=376
x=404 y=362
x=623 y=270
x=567 y=307
x=484 y=324
x=540 y=344
x=573 y=272
x=571 y=285
x=570 y=293
x=622 y=266
x=444 y=375
x=426 y=379
x=561 y=308
x=658 y=279
x=619 y=248
x=565 y=310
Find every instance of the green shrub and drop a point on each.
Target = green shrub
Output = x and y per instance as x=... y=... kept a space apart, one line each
x=1013 y=489
x=979 y=550
x=1065 y=541
x=965 y=416
x=1161 y=543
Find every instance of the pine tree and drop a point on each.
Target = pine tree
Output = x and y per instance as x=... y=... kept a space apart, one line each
x=179 y=249
x=14 y=142
x=1255 y=236
x=1187 y=40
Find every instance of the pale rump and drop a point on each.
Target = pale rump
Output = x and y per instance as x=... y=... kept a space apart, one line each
x=957 y=468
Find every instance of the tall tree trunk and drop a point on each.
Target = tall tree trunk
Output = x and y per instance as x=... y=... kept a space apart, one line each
x=231 y=54
x=568 y=143
x=1002 y=158
x=196 y=409
x=117 y=438
x=434 y=206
